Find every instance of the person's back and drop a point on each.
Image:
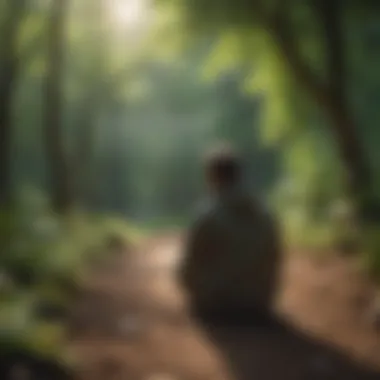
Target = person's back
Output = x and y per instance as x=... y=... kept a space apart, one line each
x=232 y=253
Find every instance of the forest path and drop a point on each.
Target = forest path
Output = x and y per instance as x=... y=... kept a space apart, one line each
x=131 y=324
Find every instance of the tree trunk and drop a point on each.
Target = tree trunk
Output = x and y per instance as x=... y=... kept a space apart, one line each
x=8 y=77
x=60 y=186
x=83 y=159
x=94 y=102
x=330 y=96
x=358 y=176
x=331 y=16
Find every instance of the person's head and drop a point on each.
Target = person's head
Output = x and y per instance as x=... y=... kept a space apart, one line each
x=223 y=168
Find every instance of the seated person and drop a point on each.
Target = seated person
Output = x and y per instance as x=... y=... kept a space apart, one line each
x=231 y=263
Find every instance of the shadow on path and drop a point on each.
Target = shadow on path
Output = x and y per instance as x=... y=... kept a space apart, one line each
x=132 y=324
x=283 y=353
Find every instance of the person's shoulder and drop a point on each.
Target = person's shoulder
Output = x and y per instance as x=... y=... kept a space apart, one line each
x=203 y=213
x=204 y=207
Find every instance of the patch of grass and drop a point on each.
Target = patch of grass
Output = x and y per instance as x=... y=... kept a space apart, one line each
x=122 y=228
x=162 y=224
x=302 y=233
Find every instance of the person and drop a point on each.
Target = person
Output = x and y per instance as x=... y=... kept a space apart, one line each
x=230 y=267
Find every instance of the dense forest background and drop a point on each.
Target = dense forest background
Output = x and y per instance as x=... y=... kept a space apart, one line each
x=116 y=112
x=133 y=127
x=106 y=109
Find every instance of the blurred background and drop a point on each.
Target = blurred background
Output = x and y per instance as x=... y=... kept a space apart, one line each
x=106 y=109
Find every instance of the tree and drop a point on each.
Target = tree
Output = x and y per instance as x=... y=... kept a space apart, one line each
x=59 y=173
x=293 y=26
x=9 y=68
x=97 y=99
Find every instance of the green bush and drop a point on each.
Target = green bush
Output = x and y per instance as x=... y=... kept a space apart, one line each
x=43 y=259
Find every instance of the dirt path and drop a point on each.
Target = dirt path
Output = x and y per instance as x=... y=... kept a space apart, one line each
x=131 y=324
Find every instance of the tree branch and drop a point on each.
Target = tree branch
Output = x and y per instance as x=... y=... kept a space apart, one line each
x=329 y=96
x=278 y=25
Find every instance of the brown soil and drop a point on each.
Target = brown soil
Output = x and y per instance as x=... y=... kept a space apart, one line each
x=131 y=324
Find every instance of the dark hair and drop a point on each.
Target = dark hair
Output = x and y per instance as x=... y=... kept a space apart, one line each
x=223 y=165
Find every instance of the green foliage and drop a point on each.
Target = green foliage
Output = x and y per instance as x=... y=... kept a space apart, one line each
x=43 y=261
x=290 y=117
x=140 y=109
x=371 y=256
